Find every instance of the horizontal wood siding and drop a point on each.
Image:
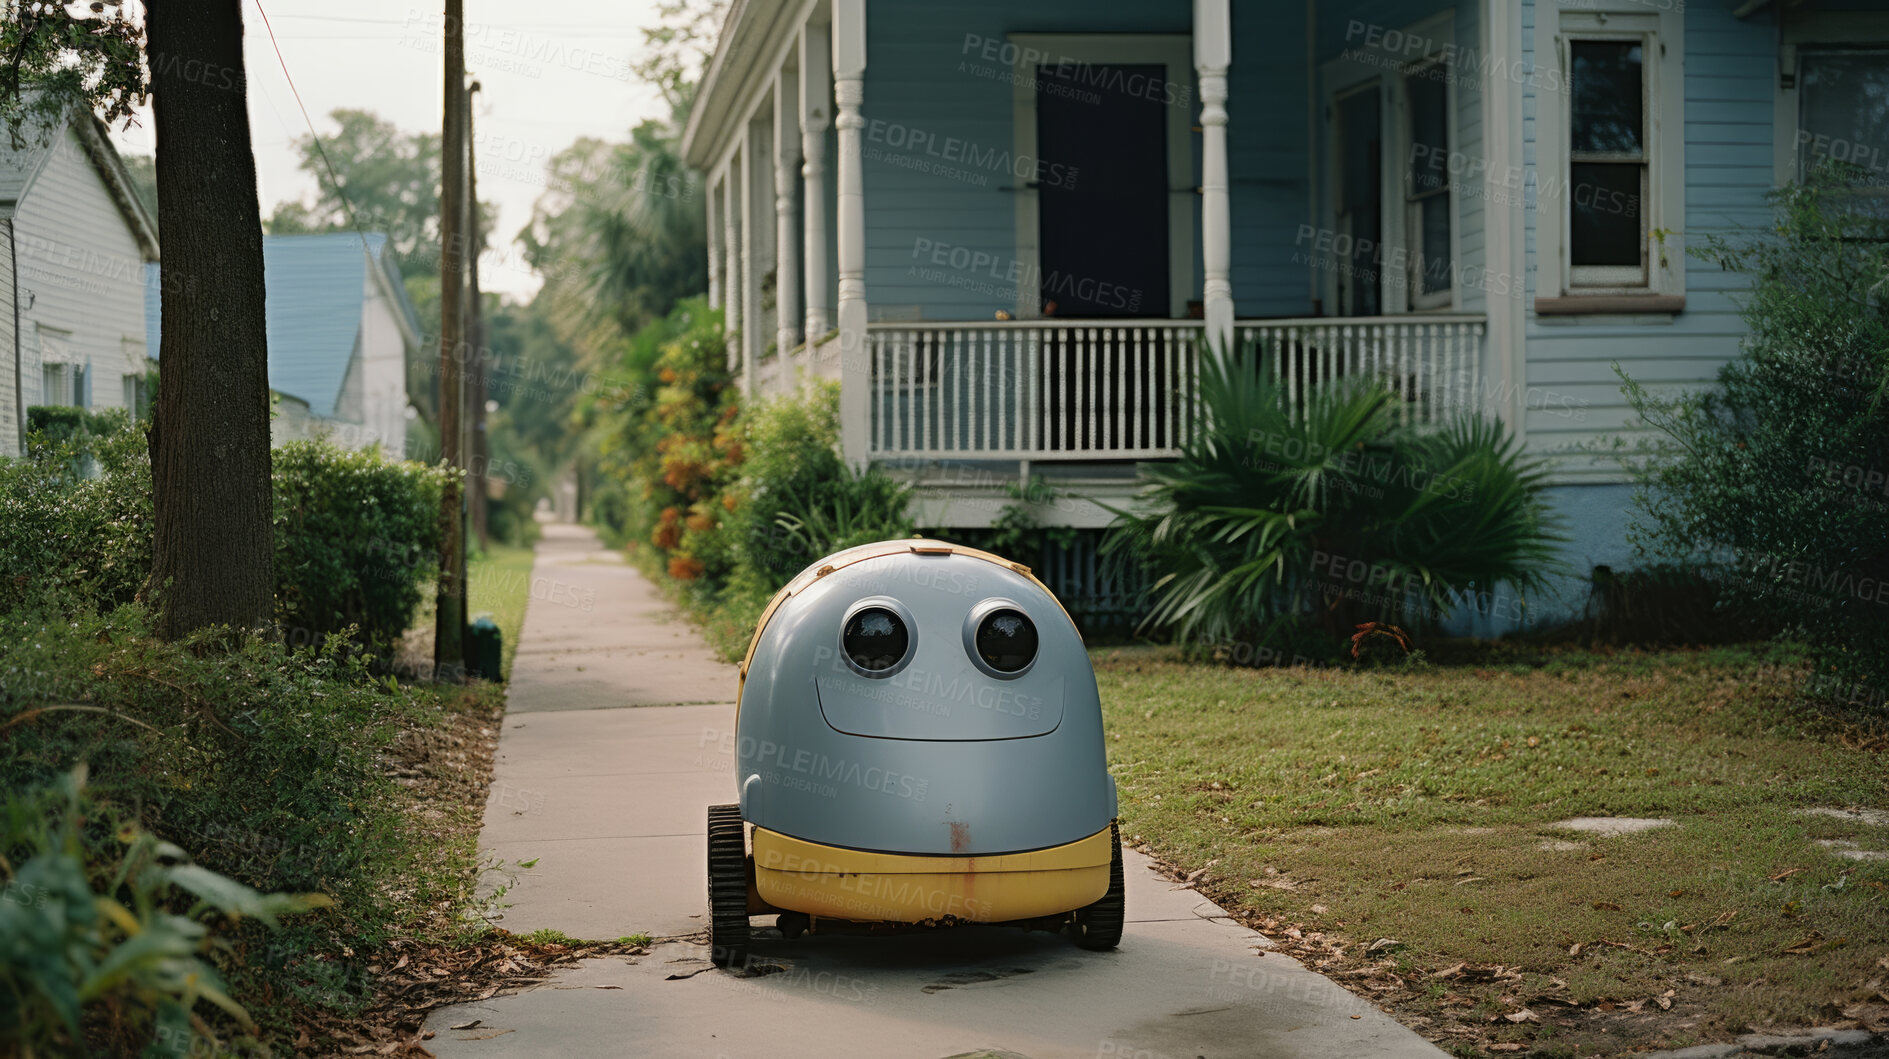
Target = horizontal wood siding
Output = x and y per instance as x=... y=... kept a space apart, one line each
x=78 y=257
x=1729 y=84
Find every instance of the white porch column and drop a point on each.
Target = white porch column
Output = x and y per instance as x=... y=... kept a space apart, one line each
x=816 y=66
x=849 y=91
x=1213 y=53
x=786 y=219
x=712 y=228
x=1503 y=369
x=734 y=278
x=750 y=277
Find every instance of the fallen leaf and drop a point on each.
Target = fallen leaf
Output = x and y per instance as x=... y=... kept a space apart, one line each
x=1508 y=1047
x=1606 y=906
x=607 y=987
x=1781 y=876
x=1807 y=945
x=1575 y=949
x=1318 y=910
x=474 y=1024
x=1454 y=969
x=1524 y=1015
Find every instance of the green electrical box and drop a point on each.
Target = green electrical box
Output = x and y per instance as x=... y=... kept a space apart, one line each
x=485 y=649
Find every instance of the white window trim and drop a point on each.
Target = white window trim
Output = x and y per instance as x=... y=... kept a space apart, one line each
x=1664 y=203
x=1859 y=29
x=1175 y=51
x=1358 y=68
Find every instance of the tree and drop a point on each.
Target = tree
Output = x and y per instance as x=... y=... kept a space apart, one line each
x=50 y=58
x=389 y=182
x=1773 y=483
x=675 y=49
x=209 y=437
x=620 y=236
x=210 y=433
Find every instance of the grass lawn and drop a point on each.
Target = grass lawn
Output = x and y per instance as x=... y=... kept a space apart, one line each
x=499 y=584
x=1333 y=808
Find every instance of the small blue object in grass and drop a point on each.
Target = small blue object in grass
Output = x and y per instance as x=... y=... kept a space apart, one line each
x=485 y=648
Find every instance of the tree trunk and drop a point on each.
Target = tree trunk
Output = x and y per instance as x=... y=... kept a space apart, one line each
x=210 y=431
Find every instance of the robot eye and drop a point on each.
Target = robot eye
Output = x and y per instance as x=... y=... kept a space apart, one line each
x=875 y=639
x=1006 y=640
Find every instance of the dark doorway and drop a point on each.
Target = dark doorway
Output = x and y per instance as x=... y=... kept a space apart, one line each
x=1101 y=175
x=1360 y=205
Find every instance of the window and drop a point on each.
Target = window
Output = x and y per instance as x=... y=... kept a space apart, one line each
x=1607 y=171
x=56 y=385
x=1843 y=110
x=1610 y=161
x=1427 y=199
x=131 y=385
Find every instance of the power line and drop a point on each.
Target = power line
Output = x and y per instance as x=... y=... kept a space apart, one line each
x=333 y=177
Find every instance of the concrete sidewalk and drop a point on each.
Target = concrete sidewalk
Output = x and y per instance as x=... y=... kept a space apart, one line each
x=619 y=735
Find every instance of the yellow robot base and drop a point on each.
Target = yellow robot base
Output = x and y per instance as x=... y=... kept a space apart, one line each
x=835 y=883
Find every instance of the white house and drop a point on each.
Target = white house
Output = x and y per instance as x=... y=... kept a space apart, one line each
x=341 y=330
x=74 y=241
x=1011 y=229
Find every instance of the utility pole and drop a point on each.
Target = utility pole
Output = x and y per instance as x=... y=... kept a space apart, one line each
x=449 y=653
x=475 y=330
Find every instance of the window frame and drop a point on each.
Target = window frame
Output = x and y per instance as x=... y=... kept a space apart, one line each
x=1658 y=284
x=1387 y=72
x=1415 y=297
x=1858 y=30
x=1836 y=33
x=1613 y=279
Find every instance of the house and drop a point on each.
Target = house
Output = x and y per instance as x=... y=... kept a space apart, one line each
x=1012 y=229
x=74 y=242
x=341 y=331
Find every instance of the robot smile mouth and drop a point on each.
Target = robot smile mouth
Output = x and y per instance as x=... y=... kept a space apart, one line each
x=932 y=705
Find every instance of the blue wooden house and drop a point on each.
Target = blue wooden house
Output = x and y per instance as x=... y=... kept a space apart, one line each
x=1010 y=229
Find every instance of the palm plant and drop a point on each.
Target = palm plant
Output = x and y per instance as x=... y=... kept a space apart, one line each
x=1282 y=518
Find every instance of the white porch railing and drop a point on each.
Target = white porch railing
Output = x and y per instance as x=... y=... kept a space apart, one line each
x=1032 y=389
x=1433 y=361
x=1066 y=390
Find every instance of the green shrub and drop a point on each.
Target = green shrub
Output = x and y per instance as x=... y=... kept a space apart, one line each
x=75 y=516
x=59 y=423
x=265 y=762
x=356 y=541
x=670 y=447
x=1776 y=484
x=1286 y=528
x=798 y=499
x=106 y=939
x=356 y=535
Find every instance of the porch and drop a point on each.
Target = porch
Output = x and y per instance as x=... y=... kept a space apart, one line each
x=1012 y=233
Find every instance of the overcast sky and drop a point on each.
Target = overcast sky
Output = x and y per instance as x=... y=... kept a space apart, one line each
x=549 y=72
